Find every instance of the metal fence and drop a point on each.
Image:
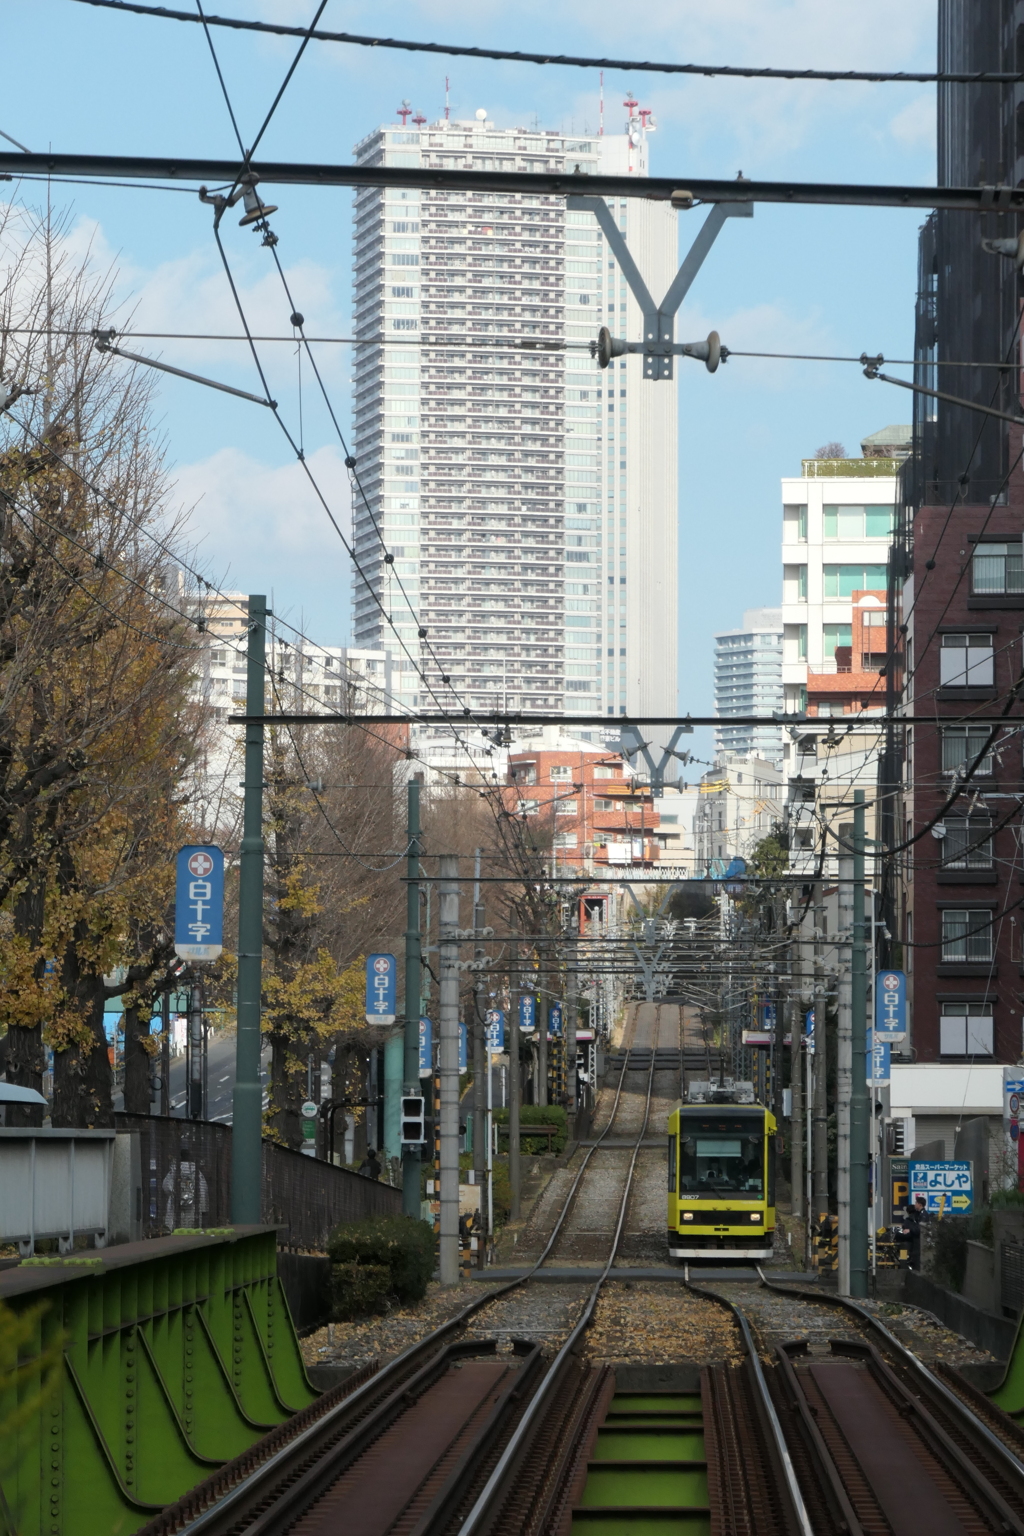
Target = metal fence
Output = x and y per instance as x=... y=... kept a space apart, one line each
x=186 y=1182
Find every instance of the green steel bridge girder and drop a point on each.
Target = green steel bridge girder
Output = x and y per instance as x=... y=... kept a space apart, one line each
x=178 y=1353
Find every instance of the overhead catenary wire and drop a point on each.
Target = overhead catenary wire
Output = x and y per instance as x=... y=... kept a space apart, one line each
x=576 y=61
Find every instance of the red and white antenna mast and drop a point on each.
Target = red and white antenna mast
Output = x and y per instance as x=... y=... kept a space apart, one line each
x=447 y=108
x=404 y=112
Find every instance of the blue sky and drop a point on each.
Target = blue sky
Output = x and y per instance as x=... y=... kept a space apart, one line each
x=793 y=279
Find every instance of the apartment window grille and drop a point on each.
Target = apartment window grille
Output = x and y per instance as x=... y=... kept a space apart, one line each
x=561 y=773
x=967 y=843
x=966 y=934
x=997 y=568
x=566 y=808
x=961 y=745
x=966 y=1029
x=966 y=661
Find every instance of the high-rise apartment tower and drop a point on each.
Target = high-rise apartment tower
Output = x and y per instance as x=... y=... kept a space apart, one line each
x=527 y=500
x=748 y=681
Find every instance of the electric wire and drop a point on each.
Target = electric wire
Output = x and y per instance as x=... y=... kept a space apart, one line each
x=574 y=61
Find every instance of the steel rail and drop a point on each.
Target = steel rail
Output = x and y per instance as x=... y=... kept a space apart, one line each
x=959 y=1408
x=980 y=199
x=209 y=1518
x=495 y=1485
x=796 y=1498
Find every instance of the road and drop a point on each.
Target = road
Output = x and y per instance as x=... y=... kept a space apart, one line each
x=221 y=1076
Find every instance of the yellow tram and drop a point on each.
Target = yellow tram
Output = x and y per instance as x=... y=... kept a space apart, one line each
x=721 y=1178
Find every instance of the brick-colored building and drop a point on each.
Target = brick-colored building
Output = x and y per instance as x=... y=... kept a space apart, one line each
x=588 y=802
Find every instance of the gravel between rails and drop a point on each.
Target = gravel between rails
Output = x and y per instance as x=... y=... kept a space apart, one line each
x=780 y=1319
x=658 y=1322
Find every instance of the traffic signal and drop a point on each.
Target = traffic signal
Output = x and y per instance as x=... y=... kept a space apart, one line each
x=413 y=1120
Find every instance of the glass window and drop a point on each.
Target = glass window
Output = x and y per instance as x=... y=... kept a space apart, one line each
x=966 y=934
x=856 y=523
x=795 y=519
x=833 y=635
x=968 y=842
x=565 y=808
x=966 y=661
x=801 y=642
x=961 y=745
x=845 y=580
x=966 y=1029
x=561 y=773
x=718 y=1156
x=997 y=568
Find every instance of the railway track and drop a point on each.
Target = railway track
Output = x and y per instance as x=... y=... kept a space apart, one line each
x=857 y=1435
x=455 y=1434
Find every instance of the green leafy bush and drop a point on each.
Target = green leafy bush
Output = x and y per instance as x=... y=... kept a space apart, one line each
x=359 y=1290
x=539 y=1114
x=380 y=1260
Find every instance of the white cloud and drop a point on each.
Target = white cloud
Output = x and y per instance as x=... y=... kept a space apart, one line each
x=260 y=527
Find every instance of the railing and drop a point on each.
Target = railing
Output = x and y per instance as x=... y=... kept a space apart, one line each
x=186 y=1182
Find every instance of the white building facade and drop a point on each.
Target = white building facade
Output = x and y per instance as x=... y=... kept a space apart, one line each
x=527 y=499
x=748 y=681
x=739 y=804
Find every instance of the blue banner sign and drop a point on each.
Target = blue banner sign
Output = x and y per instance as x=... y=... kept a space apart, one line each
x=768 y=1017
x=199 y=903
x=496 y=1030
x=555 y=1021
x=463 y=1048
x=879 y=1058
x=945 y=1186
x=809 y=1030
x=426 y=1048
x=381 y=988
x=891 y=1005
x=527 y=1013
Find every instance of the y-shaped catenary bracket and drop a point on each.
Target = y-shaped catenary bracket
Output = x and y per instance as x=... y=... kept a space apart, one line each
x=658 y=344
x=631 y=742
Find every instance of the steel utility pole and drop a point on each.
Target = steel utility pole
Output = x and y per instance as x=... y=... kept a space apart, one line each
x=411 y=1155
x=844 y=1052
x=819 y=1071
x=448 y=1028
x=792 y=1010
x=481 y=1071
x=514 y=1095
x=247 y=1099
x=859 y=1103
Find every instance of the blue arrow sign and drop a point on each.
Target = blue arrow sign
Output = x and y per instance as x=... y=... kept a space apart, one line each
x=809 y=1030
x=381 y=988
x=496 y=1030
x=527 y=1013
x=426 y=1048
x=199 y=903
x=555 y=1021
x=891 y=1005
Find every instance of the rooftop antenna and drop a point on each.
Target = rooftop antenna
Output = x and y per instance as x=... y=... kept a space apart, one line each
x=447 y=108
x=419 y=119
x=404 y=111
x=600 y=129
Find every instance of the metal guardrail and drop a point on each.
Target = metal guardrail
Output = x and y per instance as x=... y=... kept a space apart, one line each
x=186 y=1182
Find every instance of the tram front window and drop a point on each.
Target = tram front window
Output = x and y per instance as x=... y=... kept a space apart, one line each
x=722 y=1158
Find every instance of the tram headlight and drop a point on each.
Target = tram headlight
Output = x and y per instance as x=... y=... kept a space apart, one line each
x=687 y=1215
x=755 y=1215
